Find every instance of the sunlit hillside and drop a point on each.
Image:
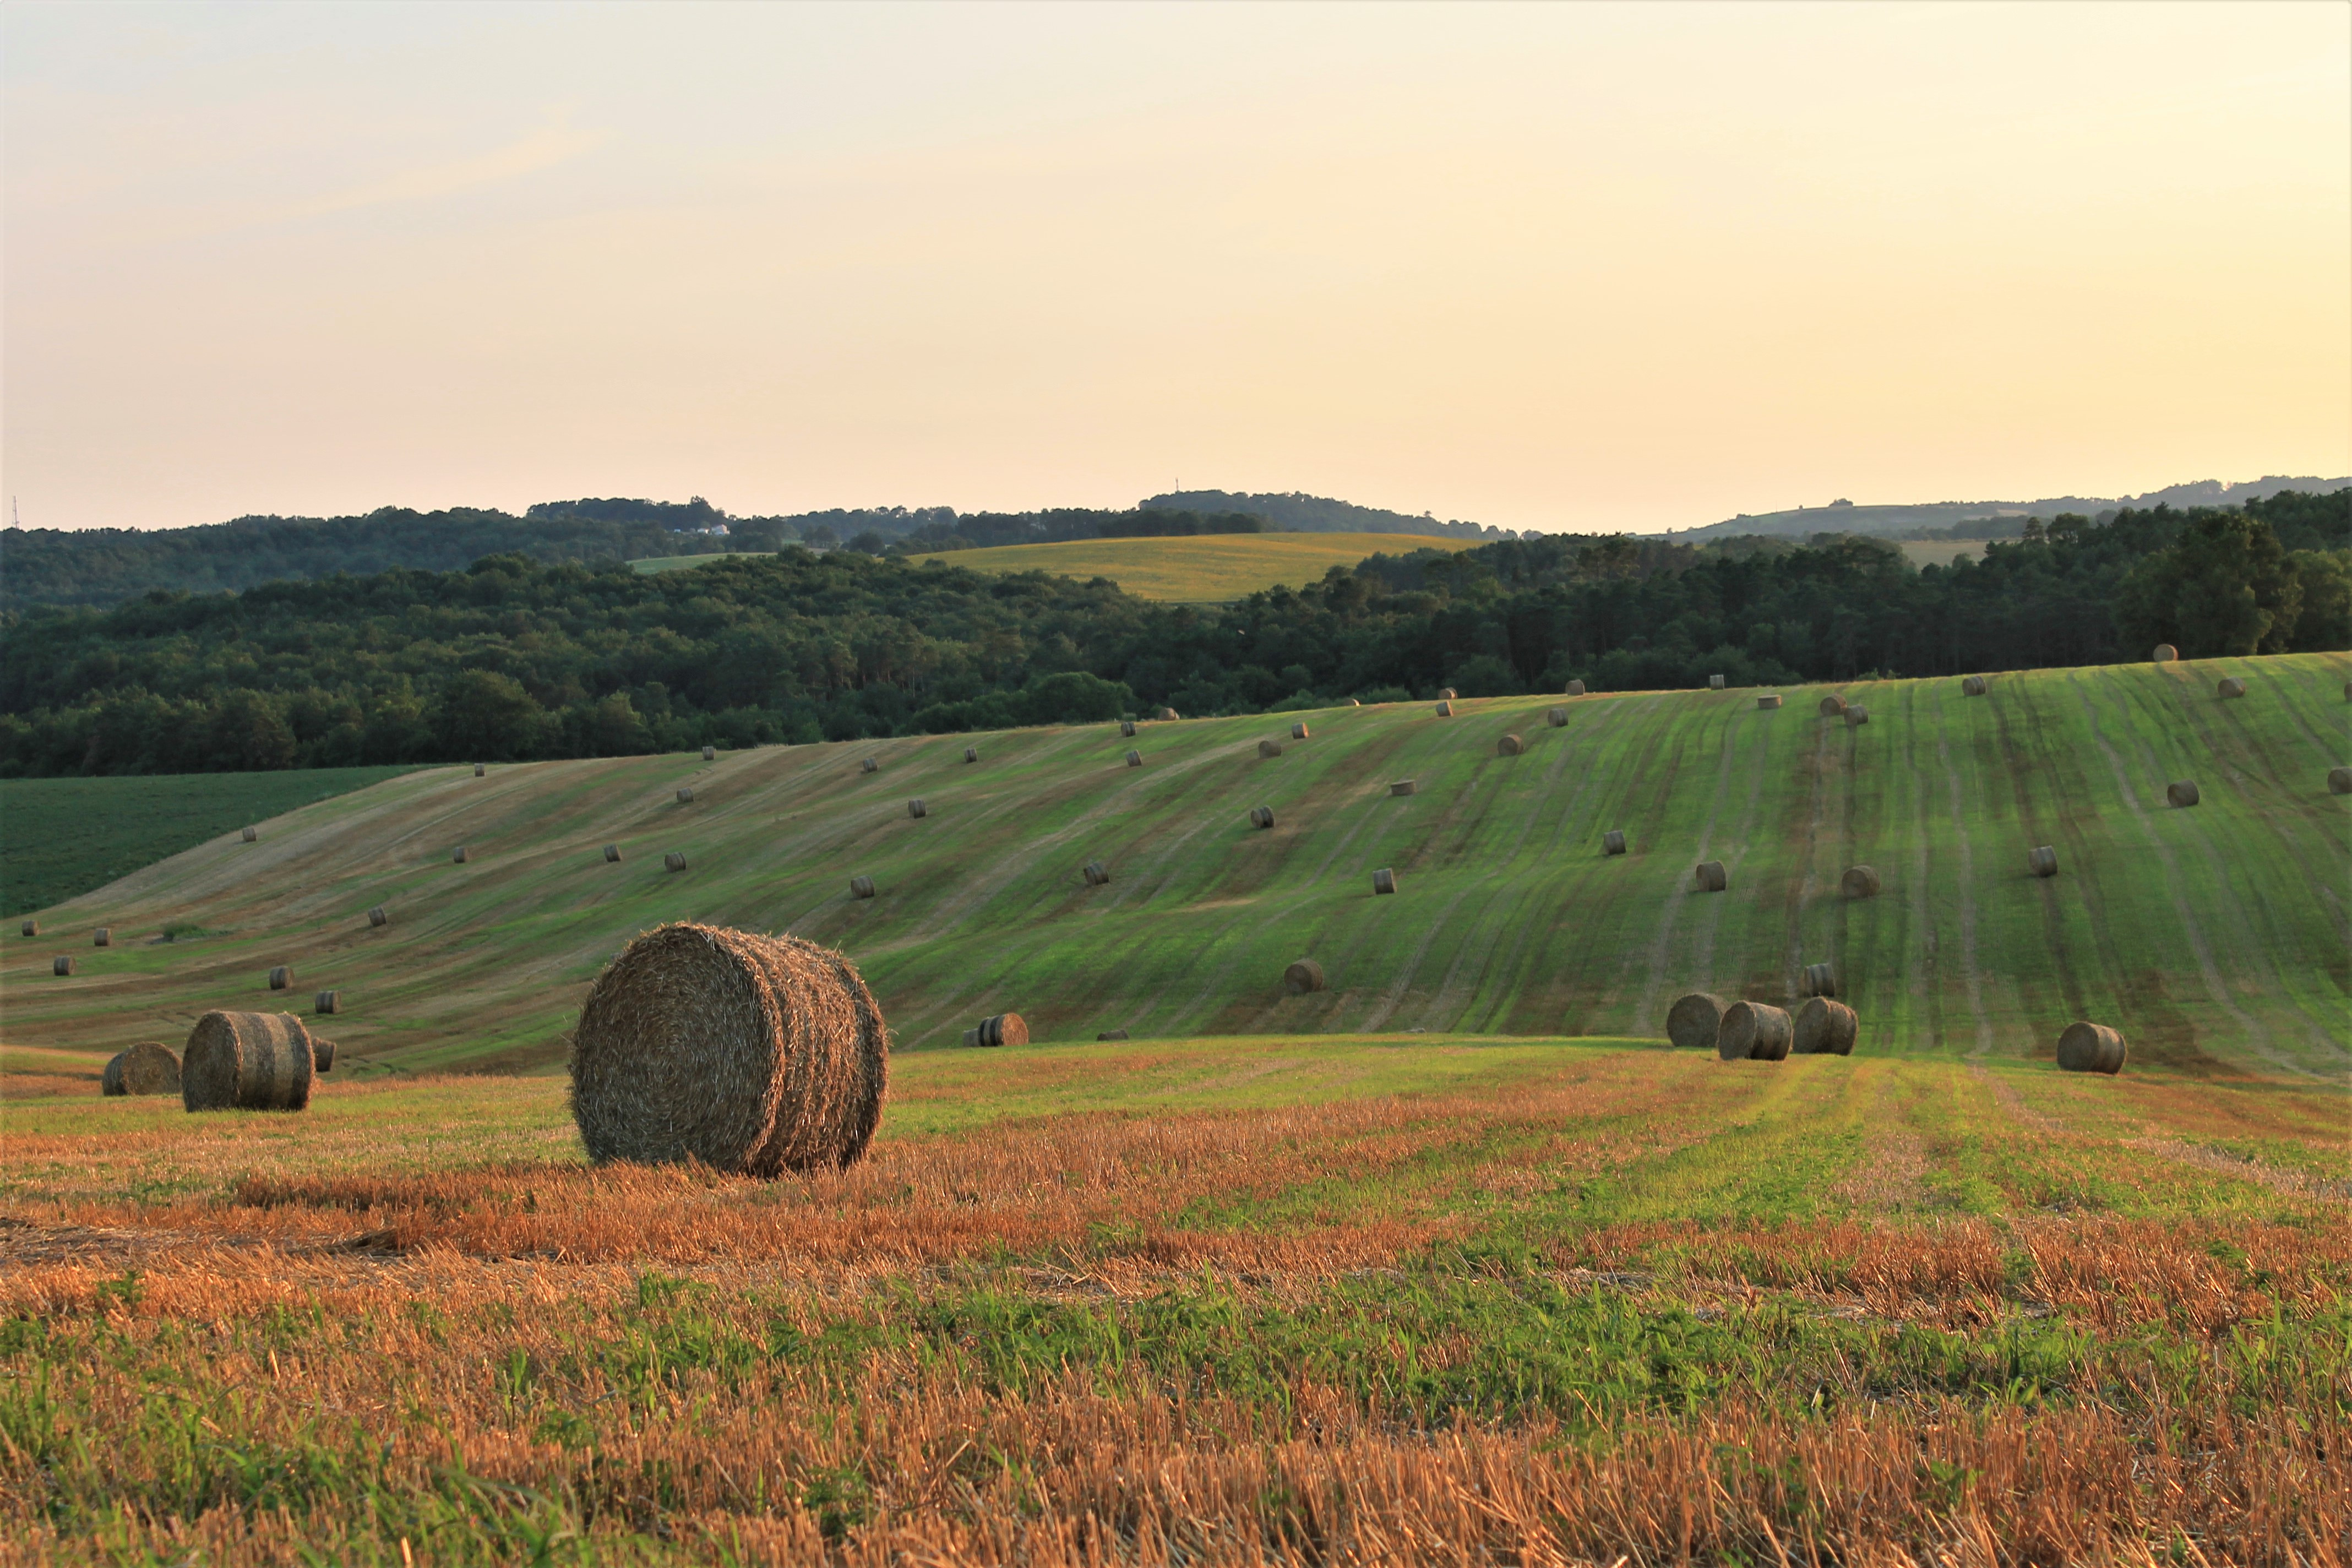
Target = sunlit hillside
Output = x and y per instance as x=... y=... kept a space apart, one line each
x=1200 y=569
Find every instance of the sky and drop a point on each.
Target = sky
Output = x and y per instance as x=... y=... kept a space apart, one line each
x=1564 y=267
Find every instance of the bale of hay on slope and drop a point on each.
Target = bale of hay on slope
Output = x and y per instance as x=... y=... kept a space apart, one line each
x=1302 y=977
x=861 y=887
x=673 y=861
x=709 y=754
x=1817 y=980
x=252 y=835
x=457 y=855
x=1613 y=842
x=1856 y=714
x=1715 y=683
x=329 y=1002
x=1755 y=1032
x=1769 y=700
x=1269 y=747
x=1575 y=689
x=1448 y=693
x=1510 y=745
x=379 y=917
x=1833 y=706
x=102 y=937
x=1261 y=816
x=2232 y=687
x=1972 y=686
x=2339 y=782
x=1385 y=881
x=1112 y=1035
x=147 y=1067
x=917 y=810
x=1127 y=728
x=31 y=928
x=1167 y=715
x=2042 y=860
x=869 y=765
x=611 y=853
x=282 y=978
x=1712 y=876
x=1401 y=786
x=62 y=963
x=1692 y=1020
x=2183 y=793
x=1299 y=730
x=1001 y=1029
x=972 y=753
x=248 y=1061
x=1445 y=709
x=1823 y=1027
x=1860 y=883
x=1135 y=759
x=479 y=769
x=755 y=1055
x=2091 y=1048
x=2165 y=653
x=686 y=796
x=1556 y=717
x=1096 y=874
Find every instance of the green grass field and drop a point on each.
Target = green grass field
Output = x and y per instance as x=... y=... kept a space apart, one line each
x=2212 y=937
x=1206 y=569
x=61 y=837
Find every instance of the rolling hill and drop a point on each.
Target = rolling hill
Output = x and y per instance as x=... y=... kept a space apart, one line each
x=1199 y=570
x=2212 y=935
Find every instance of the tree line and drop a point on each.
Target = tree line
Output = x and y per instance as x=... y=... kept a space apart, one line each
x=515 y=658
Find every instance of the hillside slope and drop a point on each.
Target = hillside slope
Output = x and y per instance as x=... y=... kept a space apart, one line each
x=2212 y=933
x=1205 y=569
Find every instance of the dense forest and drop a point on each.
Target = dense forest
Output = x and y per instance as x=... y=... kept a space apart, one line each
x=516 y=657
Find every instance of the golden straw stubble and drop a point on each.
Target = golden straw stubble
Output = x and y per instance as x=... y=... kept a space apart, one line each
x=754 y=1054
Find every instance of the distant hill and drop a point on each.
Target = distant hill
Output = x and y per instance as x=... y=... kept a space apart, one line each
x=1990 y=518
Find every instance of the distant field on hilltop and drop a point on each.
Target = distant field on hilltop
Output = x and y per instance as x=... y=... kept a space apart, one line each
x=2215 y=937
x=1201 y=569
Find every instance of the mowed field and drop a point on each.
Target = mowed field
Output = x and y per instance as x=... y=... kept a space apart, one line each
x=2214 y=936
x=1203 y=569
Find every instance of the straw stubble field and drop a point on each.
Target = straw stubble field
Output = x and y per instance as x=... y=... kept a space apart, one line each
x=1331 y=1299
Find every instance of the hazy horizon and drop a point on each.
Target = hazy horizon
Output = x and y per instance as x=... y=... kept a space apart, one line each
x=1573 y=268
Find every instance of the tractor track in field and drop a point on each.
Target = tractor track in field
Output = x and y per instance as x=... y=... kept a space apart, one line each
x=1661 y=943
x=1975 y=978
x=1805 y=888
x=1928 y=979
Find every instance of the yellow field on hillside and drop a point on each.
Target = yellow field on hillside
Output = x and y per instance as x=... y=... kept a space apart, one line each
x=1205 y=569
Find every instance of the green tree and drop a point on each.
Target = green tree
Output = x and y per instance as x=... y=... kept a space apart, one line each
x=487 y=717
x=2225 y=587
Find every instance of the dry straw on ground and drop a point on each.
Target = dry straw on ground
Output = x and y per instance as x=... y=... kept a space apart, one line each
x=2232 y=687
x=709 y=754
x=1096 y=874
x=2043 y=860
x=1856 y=714
x=252 y=835
x=379 y=917
x=861 y=887
x=611 y=853
x=2091 y=1048
x=1556 y=717
x=329 y=1002
x=972 y=753
x=1299 y=730
x=1860 y=883
x=2183 y=793
x=869 y=765
x=1302 y=977
x=1693 y=1021
x=1823 y=1027
x=61 y=964
x=1833 y=706
x=917 y=810
x=1269 y=747
x=673 y=861
x=1261 y=816
x=1510 y=745
x=1754 y=1031
x=1613 y=842
x=2339 y=782
x=1817 y=980
x=248 y=1061
x=282 y=978
x=147 y=1067
x=1712 y=876
x=1972 y=686
x=102 y=937
x=1401 y=786
x=2165 y=653
x=1135 y=759
x=754 y=1054
x=1769 y=700
x=1445 y=709
x=1385 y=881
x=1576 y=688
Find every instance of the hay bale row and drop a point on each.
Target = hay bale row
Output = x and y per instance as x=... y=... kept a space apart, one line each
x=1712 y=876
x=252 y=835
x=1692 y=1020
x=1860 y=883
x=917 y=810
x=1576 y=688
x=1001 y=1029
x=1401 y=786
x=457 y=855
x=1556 y=717
x=1385 y=881
x=1509 y=746
x=1135 y=759
x=251 y=1061
x=1112 y=1035
x=1823 y=1027
x=861 y=887
x=686 y=796
x=282 y=978
x=1127 y=728
x=1613 y=842
x=673 y=861
x=2183 y=793
x=1302 y=977
x=2232 y=687
x=1299 y=730
x=1096 y=874
x=869 y=765
x=1715 y=683
x=972 y=753
x=31 y=928
x=1269 y=749
x=147 y=1067
x=1817 y=980
x=1856 y=715
x=1445 y=709
x=102 y=937
x=709 y=754
x=379 y=917
x=755 y=1055
x=2042 y=860
x=2339 y=782
x=1769 y=700
x=1972 y=686
x=328 y=1002
x=2165 y=653
x=1833 y=706
x=1754 y=1032
x=1261 y=816
x=611 y=853
x=2091 y=1048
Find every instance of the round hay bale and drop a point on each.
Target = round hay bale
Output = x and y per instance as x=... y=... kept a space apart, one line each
x=1112 y=1035
x=1445 y=709
x=709 y=754
x=686 y=796
x=1127 y=728
x=755 y=1055
x=2042 y=860
x=1856 y=715
x=102 y=937
x=322 y=1055
x=1754 y=1032
x=1135 y=759
x=282 y=978
x=1167 y=715
x=1269 y=747
x=1613 y=842
x=1972 y=686
x=1859 y=882
x=2232 y=687
x=379 y=917
x=1712 y=876
x=1817 y=980
x=1002 y=1029
x=2165 y=653
x=1556 y=717
x=252 y=835
x=2091 y=1048
x=147 y=1067
x=972 y=753
x=62 y=963
x=1833 y=706
x=248 y=1061
x=1769 y=700
x=1302 y=977
x=1401 y=786
x=1715 y=683
x=1448 y=693
x=2339 y=782
x=917 y=810
x=673 y=861
x=1823 y=1028
x=1299 y=731
x=1261 y=816
x=1385 y=881
x=861 y=887
x=611 y=853
x=31 y=928
x=329 y=1002
x=1575 y=689
x=2184 y=792
x=479 y=769
x=457 y=855
x=972 y=1036
x=1692 y=1020
x=1509 y=746
x=869 y=765
x=1096 y=874
x=1352 y=702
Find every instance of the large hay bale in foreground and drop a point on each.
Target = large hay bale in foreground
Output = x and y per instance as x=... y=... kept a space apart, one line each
x=1613 y=842
x=62 y=963
x=31 y=928
x=248 y=1061
x=1385 y=881
x=1860 y=883
x=1769 y=700
x=1712 y=876
x=1856 y=715
x=147 y=1067
x=869 y=765
x=1833 y=706
x=1096 y=874
x=1135 y=759
x=1972 y=686
x=1755 y=1032
x=1269 y=747
x=1823 y=1028
x=329 y=1002
x=673 y=861
x=1817 y=980
x=379 y=917
x=1445 y=709
x=2043 y=860
x=1575 y=689
x=917 y=810
x=2232 y=687
x=2091 y=1048
x=2183 y=793
x=102 y=937
x=2165 y=653
x=972 y=753
x=252 y=835
x=1261 y=816
x=709 y=754
x=1401 y=786
x=1510 y=745
x=755 y=1055
x=282 y=978
x=1299 y=731
x=861 y=887
x=1556 y=717
x=1002 y=1029
x=1302 y=977
x=1692 y=1020
x=2339 y=782
x=1715 y=683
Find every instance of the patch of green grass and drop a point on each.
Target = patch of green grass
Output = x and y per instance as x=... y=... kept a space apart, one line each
x=1200 y=570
